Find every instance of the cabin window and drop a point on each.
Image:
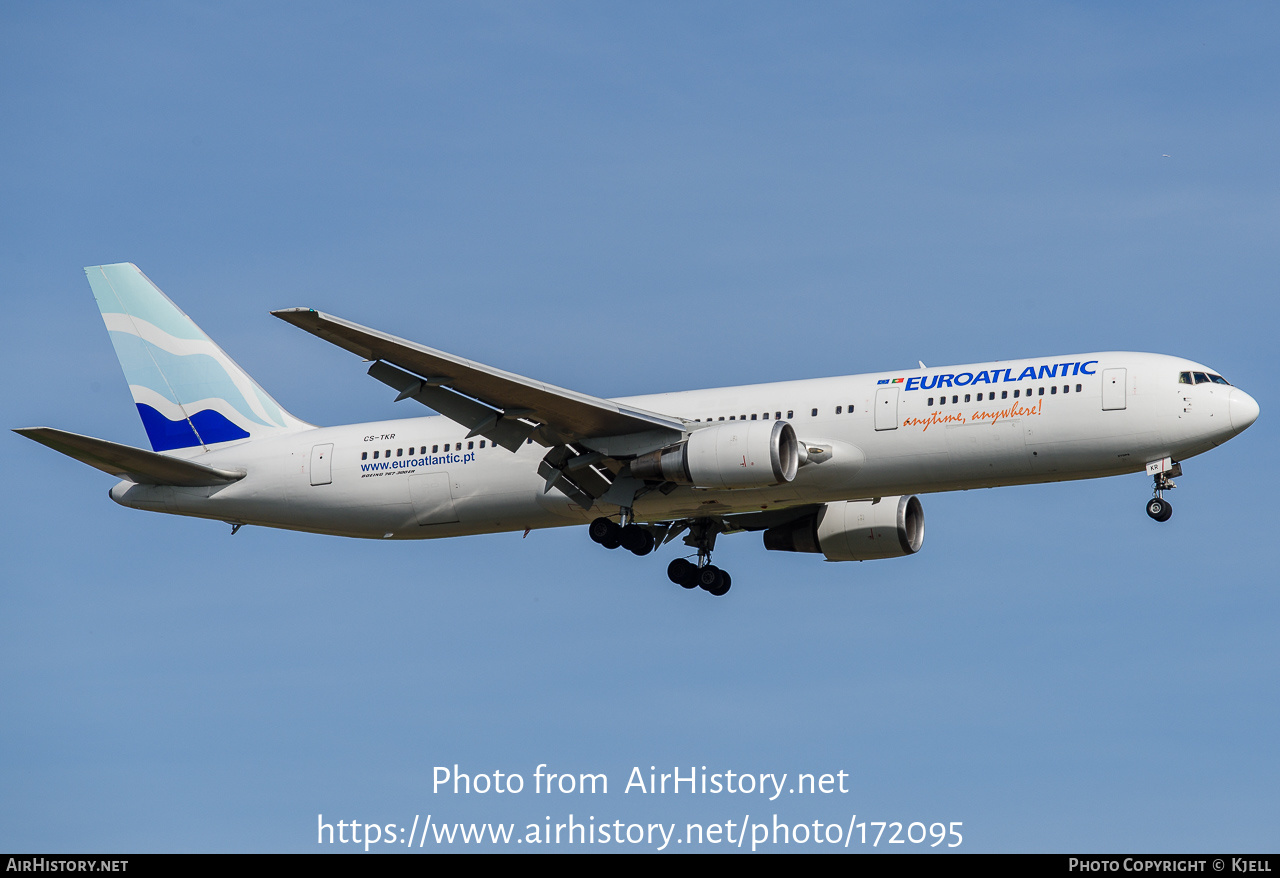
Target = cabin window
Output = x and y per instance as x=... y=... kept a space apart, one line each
x=471 y=445
x=942 y=400
x=1077 y=388
x=1042 y=391
x=375 y=455
x=435 y=449
x=850 y=409
x=399 y=452
x=1004 y=394
x=1053 y=391
x=722 y=417
x=482 y=443
x=931 y=401
x=364 y=456
x=765 y=416
x=814 y=413
x=777 y=416
x=966 y=397
x=753 y=417
x=1015 y=394
x=839 y=410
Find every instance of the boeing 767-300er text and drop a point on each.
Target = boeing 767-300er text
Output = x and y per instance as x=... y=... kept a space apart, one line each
x=829 y=466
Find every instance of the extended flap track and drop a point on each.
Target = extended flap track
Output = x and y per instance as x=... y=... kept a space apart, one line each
x=577 y=473
x=507 y=428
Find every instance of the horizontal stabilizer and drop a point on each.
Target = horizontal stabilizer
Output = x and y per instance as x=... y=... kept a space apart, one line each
x=127 y=462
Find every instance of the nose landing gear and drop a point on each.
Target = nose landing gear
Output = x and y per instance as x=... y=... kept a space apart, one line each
x=1159 y=508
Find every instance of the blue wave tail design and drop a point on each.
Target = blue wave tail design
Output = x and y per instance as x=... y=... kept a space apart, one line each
x=174 y=368
x=166 y=435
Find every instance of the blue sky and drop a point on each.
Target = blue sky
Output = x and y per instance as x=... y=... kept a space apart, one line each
x=625 y=200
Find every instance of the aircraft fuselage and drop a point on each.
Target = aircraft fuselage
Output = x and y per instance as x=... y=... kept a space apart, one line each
x=918 y=431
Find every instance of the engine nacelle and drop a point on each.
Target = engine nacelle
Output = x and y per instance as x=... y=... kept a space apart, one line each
x=855 y=530
x=739 y=454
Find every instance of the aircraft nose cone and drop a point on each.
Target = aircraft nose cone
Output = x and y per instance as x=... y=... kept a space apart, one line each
x=1244 y=410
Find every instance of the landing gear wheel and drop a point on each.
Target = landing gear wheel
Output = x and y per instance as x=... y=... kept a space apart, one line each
x=1160 y=509
x=600 y=528
x=725 y=582
x=606 y=532
x=637 y=540
x=712 y=579
x=682 y=573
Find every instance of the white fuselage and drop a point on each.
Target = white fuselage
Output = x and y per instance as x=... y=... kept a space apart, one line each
x=1080 y=416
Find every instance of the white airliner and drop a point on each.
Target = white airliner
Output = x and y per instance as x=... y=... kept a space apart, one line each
x=829 y=466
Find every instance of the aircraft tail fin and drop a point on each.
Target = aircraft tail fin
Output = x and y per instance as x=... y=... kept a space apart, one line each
x=189 y=393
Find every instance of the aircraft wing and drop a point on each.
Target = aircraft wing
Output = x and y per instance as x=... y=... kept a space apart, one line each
x=503 y=406
x=127 y=462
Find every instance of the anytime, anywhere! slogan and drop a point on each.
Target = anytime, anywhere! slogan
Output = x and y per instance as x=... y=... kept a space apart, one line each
x=1017 y=410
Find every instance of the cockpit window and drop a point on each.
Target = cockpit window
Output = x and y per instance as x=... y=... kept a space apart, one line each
x=1201 y=378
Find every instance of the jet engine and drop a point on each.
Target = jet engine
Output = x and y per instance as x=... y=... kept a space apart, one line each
x=739 y=454
x=855 y=530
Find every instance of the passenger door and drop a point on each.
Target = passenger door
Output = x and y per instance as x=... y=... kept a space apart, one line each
x=1113 y=390
x=887 y=408
x=322 y=464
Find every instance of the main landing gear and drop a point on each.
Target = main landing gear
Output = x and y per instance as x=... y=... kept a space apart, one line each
x=641 y=541
x=704 y=574
x=1159 y=508
x=632 y=537
x=708 y=577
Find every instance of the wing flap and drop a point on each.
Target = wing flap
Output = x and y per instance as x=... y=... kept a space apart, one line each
x=565 y=415
x=482 y=420
x=127 y=462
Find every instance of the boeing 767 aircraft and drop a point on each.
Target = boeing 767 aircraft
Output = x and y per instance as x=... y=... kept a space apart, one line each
x=829 y=466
